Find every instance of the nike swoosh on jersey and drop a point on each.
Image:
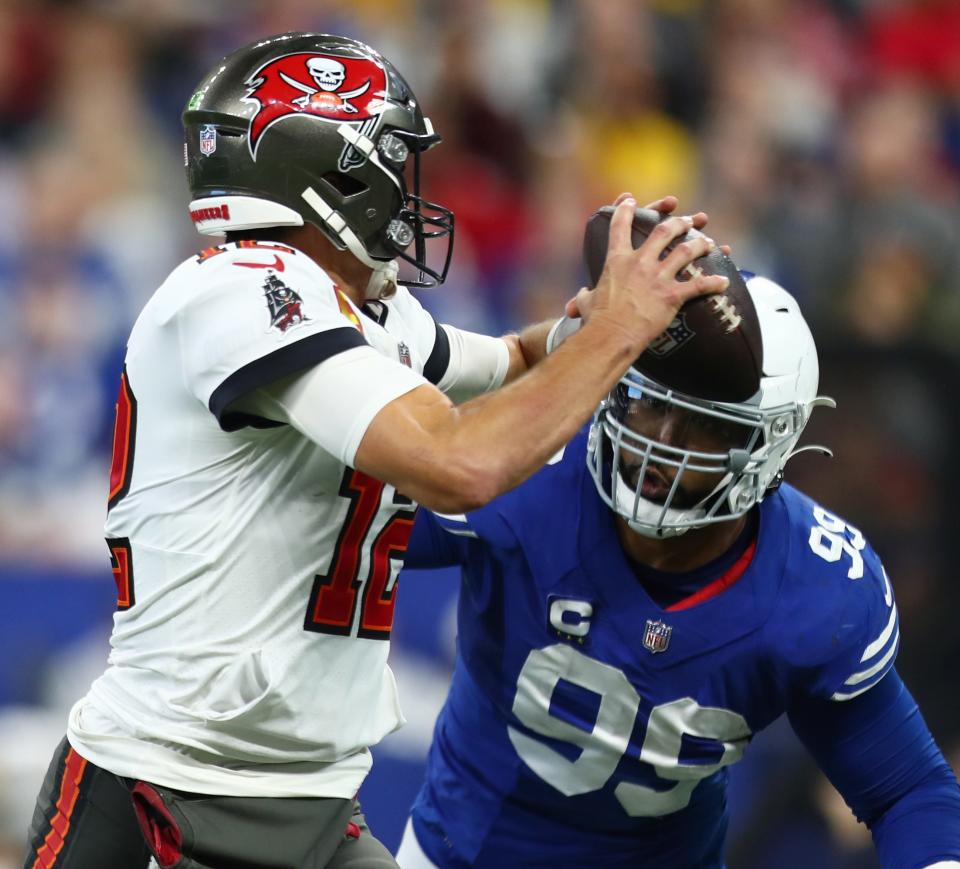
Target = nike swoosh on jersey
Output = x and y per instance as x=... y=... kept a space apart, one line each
x=276 y=264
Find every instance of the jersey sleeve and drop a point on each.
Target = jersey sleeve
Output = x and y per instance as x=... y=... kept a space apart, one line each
x=488 y=525
x=879 y=754
x=478 y=364
x=433 y=544
x=838 y=629
x=461 y=364
x=432 y=342
x=871 y=644
x=333 y=403
x=247 y=327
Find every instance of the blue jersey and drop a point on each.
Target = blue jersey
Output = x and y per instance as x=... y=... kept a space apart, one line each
x=587 y=725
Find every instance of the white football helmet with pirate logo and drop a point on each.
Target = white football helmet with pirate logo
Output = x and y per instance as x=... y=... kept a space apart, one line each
x=309 y=127
x=668 y=462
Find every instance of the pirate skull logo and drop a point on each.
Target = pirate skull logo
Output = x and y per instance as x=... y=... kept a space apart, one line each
x=329 y=88
x=328 y=73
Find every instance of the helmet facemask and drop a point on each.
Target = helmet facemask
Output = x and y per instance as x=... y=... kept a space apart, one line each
x=419 y=220
x=397 y=154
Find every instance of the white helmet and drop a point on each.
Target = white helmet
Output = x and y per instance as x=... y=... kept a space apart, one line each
x=750 y=441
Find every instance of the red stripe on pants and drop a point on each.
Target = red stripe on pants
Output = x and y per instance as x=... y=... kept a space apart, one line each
x=73 y=770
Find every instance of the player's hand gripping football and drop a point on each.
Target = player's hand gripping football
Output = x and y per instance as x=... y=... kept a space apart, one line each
x=639 y=292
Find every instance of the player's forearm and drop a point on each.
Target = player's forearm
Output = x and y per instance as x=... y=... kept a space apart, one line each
x=513 y=431
x=456 y=458
x=923 y=827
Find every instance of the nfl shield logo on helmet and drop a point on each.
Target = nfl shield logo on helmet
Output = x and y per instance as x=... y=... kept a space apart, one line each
x=656 y=637
x=208 y=139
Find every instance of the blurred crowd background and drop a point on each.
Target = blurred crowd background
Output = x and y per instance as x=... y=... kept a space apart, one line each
x=823 y=138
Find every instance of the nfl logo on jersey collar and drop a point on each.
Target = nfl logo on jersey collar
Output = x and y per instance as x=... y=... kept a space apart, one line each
x=656 y=636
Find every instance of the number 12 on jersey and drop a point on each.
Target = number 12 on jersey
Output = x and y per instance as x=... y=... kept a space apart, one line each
x=372 y=540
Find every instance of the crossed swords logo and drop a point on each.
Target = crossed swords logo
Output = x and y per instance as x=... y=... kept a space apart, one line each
x=270 y=86
x=329 y=75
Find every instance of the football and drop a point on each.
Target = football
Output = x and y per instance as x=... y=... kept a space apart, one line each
x=713 y=349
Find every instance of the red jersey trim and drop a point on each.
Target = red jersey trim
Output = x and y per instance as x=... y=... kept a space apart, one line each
x=719 y=585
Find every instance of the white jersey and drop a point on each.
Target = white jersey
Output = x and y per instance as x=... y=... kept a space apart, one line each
x=255 y=568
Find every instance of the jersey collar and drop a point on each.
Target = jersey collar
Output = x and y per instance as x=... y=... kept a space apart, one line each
x=737 y=603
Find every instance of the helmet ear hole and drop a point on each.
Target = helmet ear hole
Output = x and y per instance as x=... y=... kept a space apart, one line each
x=344 y=185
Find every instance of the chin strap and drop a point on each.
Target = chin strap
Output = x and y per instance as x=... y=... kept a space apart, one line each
x=383 y=281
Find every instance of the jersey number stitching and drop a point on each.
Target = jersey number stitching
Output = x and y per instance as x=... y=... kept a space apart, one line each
x=121 y=564
x=337 y=595
x=124 y=438
x=828 y=539
x=121 y=470
x=608 y=740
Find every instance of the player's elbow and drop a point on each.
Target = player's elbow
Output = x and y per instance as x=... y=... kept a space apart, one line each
x=461 y=497
x=423 y=445
x=459 y=485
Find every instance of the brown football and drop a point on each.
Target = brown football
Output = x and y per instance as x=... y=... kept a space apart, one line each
x=713 y=349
